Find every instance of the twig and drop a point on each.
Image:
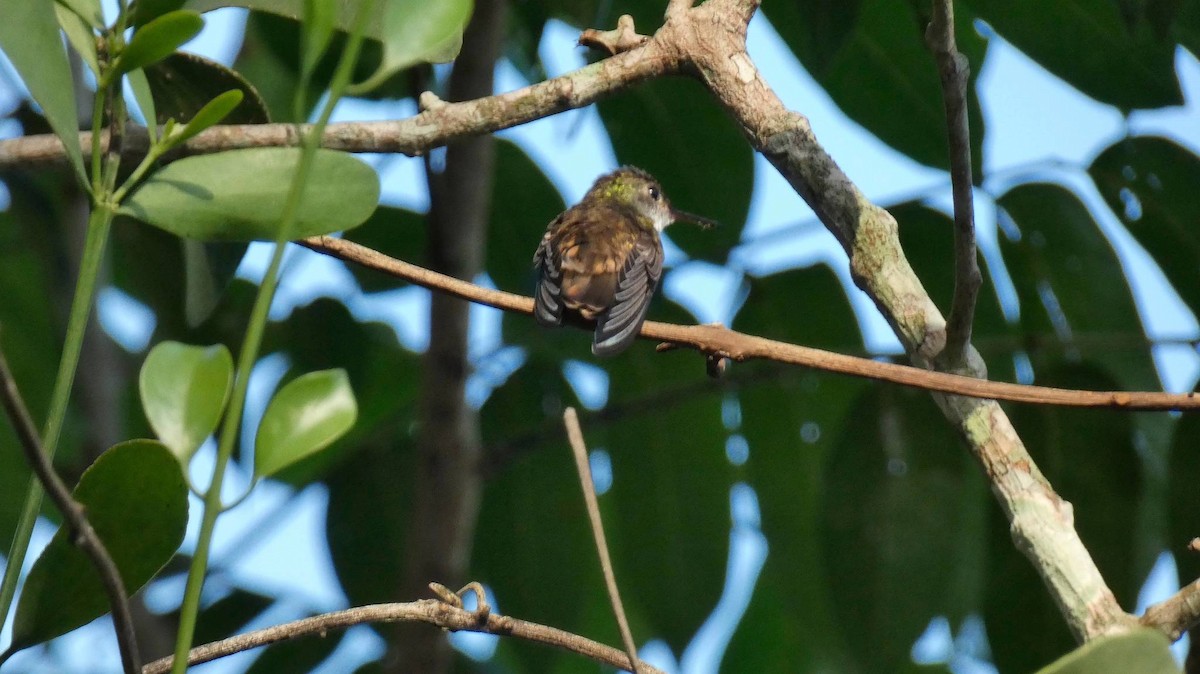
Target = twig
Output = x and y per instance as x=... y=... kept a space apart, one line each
x=1177 y=614
x=82 y=533
x=432 y=611
x=954 y=72
x=712 y=339
x=579 y=449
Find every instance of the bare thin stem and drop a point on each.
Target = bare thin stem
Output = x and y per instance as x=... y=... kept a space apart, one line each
x=1178 y=613
x=431 y=611
x=954 y=72
x=81 y=530
x=579 y=449
x=714 y=339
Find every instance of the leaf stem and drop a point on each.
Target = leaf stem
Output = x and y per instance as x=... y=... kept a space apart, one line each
x=250 y=348
x=93 y=253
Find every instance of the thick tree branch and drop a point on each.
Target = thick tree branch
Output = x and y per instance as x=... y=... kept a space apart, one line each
x=75 y=519
x=717 y=340
x=432 y=611
x=954 y=72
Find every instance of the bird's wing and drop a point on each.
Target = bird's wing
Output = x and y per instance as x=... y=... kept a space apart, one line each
x=547 y=299
x=617 y=327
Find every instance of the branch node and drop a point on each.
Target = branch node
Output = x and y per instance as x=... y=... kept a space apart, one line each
x=622 y=39
x=446 y=595
x=1194 y=545
x=428 y=101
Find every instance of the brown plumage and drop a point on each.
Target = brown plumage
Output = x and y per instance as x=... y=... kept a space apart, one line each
x=603 y=257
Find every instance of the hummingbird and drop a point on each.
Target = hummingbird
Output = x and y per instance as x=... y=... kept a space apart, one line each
x=603 y=257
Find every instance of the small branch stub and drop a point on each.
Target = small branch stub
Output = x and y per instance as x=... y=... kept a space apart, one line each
x=622 y=39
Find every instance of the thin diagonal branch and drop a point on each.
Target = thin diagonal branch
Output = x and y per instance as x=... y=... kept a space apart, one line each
x=432 y=611
x=1178 y=613
x=954 y=72
x=73 y=515
x=579 y=449
x=714 y=339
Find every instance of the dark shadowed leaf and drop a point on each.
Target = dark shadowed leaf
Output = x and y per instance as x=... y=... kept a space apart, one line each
x=523 y=203
x=1145 y=651
x=902 y=516
x=296 y=655
x=184 y=390
x=239 y=195
x=304 y=417
x=872 y=59
x=1088 y=44
x=184 y=83
x=673 y=129
x=1090 y=458
x=790 y=418
x=1150 y=183
x=136 y=501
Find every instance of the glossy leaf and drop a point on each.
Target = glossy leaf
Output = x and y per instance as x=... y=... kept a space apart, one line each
x=1150 y=183
x=184 y=83
x=1089 y=45
x=872 y=59
x=30 y=39
x=415 y=31
x=304 y=417
x=136 y=501
x=159 y=38
x=1145 y=651
x=184 y=391
x=239 y=195
x=673 y=129
x=211 y=114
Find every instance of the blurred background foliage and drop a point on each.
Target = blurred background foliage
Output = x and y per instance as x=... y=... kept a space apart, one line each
x=877 y=523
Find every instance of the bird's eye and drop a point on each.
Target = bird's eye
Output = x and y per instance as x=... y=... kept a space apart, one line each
x=654 y=193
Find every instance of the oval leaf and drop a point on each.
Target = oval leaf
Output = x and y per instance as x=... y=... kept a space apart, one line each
x=184 y=390
x=415 y=31
x=136 y=500
x=29 y=38
x=157 y=39
x=304 y=417
x=1146 y=651
x=183 y=83
x=79 y=36
x=239 y=195
x=139 y=86
x=212 y=113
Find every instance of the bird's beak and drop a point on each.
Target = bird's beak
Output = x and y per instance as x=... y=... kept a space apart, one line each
x=684 y=216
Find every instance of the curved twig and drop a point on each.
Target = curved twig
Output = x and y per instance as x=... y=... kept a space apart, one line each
x=714 y=339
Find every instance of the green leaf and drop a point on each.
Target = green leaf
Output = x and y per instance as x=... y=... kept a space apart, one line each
x=136 y=501
x=145 y=11
x=184 y=83
x=306 y=415
x=1090 y=46
x=209 y=115
x=1150 y=183
x=80 y=35
x=1144 y=650
x=239 y=195
x=140 y=86
x=524 y=201
x=87 y=10
x=184 y=391
x=208 y=270
x=415 y=31
x=159 y=38
x=872 y=59
x=318 y=30
x=30 y=39
x=674 y=129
